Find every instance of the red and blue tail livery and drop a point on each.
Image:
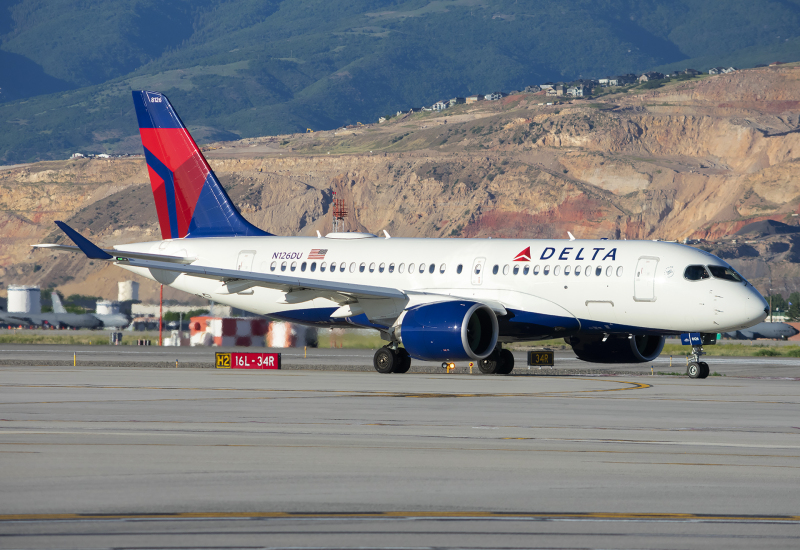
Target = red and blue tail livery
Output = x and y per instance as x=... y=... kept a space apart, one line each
x=190 y=200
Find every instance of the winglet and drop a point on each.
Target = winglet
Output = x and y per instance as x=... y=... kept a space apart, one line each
x=387 y=234
x=87 y=247
x=571 y=236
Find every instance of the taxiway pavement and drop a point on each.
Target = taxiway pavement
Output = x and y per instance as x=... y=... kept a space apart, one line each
x=113 y=457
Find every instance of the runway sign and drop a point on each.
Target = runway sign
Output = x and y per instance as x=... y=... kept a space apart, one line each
x=541 y=358
x=249 y=361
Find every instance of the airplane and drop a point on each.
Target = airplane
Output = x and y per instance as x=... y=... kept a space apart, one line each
x=776 y=331
x=430 y=299
x=60 y=318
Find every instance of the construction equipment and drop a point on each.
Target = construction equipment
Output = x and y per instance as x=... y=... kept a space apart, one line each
x=309 y=131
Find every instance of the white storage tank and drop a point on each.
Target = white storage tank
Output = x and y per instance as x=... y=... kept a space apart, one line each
x=128 y=291
x=106 y=307
x=24 y=299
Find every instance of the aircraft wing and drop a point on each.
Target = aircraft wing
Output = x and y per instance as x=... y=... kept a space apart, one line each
x=233 y=280
x=297 y=289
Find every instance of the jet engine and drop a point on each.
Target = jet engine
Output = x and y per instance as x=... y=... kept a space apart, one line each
x=449 y=331
x=616 y=348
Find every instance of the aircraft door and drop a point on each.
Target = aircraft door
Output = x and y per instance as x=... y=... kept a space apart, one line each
x=245 y=260
x=645 y=281
x=477 y=271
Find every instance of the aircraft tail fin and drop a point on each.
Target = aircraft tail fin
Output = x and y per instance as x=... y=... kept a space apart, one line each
x=58 y=307
x=190 y=200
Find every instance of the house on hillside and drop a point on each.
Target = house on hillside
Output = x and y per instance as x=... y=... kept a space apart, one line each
x=546 y=86
x=381 y=120
x=715 y=70
x=532 y=89
x=691 y=72
x=557 y=90
x=473 y=99
x=494 y=96
x=457 y=101
x=729 y=70
x=603 y=82
x=578 y=91
x=440 y=105
x=647 y=77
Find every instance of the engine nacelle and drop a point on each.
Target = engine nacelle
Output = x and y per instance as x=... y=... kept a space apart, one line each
x=449 y=331
x=617 y=349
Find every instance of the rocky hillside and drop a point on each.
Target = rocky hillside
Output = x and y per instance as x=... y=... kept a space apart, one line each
x=691 y=160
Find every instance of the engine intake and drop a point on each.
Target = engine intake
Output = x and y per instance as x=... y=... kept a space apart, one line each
x=449 y=331
x=617 y=349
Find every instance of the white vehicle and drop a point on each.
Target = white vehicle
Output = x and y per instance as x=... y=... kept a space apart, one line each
x=440 y=299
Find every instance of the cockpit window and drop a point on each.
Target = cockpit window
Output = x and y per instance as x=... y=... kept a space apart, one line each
x=726 y=273
x=695 y=273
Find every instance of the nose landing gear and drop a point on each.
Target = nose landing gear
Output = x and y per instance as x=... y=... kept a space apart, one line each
x=697 y=368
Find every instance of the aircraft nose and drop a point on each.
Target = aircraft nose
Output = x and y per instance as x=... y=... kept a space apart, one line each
x=756 y=308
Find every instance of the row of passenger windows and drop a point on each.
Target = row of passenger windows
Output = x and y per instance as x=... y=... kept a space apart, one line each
x=342 y=267
x=568 y=270
x=431 y=268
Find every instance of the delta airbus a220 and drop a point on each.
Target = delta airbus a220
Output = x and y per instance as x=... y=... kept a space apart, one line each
x=431 y=299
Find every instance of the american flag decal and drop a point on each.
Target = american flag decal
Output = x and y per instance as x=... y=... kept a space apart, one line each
x=317 y=254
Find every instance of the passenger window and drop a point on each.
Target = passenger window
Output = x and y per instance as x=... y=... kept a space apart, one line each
x=362 y=267
x=588 y=270
x=333 y=267
x=598 y=271
x=459 y=269
x=293 y=266
x=322 y=266
x=525 y=270
x=725 y=273
x=401 y=268
x=515 y=270
x=313 y=266
x=495 y=269
x=546 y=270
x=353 y=267
x=505 y=269
x=557 y=270
x=577 y=270
x=283 y=266
x=695 y=273
x=372 y=267
x=411 y=268
x=381 y=267
x=566 y=270
x=431 y=268
x=478 y=269
x=342 y=266
x=422 y=268
x=609 y=271
x=619 y=271
x=391 y=268
x=303 y=266
x=442 y=268
x=273 y=265
x=536 y=270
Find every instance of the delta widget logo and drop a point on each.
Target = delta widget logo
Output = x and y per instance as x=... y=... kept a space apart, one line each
x=524 y=256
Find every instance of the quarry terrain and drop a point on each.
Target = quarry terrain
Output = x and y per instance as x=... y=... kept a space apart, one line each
x=696 y=160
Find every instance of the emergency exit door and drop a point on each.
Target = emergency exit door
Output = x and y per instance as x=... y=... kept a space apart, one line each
x=245 y=260
x=477 y=271
x=645 y=281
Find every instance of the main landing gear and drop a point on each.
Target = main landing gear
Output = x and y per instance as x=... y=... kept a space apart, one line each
x=697 y=368
x=388 y=359
x=500 y=361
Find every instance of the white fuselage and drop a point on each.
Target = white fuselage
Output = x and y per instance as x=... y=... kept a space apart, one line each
x=595 y=285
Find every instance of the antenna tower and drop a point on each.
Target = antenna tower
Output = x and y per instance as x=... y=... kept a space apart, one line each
x=339 y=212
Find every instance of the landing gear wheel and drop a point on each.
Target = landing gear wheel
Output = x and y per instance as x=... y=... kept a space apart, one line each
x=384 y=360
x=704 y=370
x=506 y=362
x=490 y=364
x=694 y=370
x=402 y=361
